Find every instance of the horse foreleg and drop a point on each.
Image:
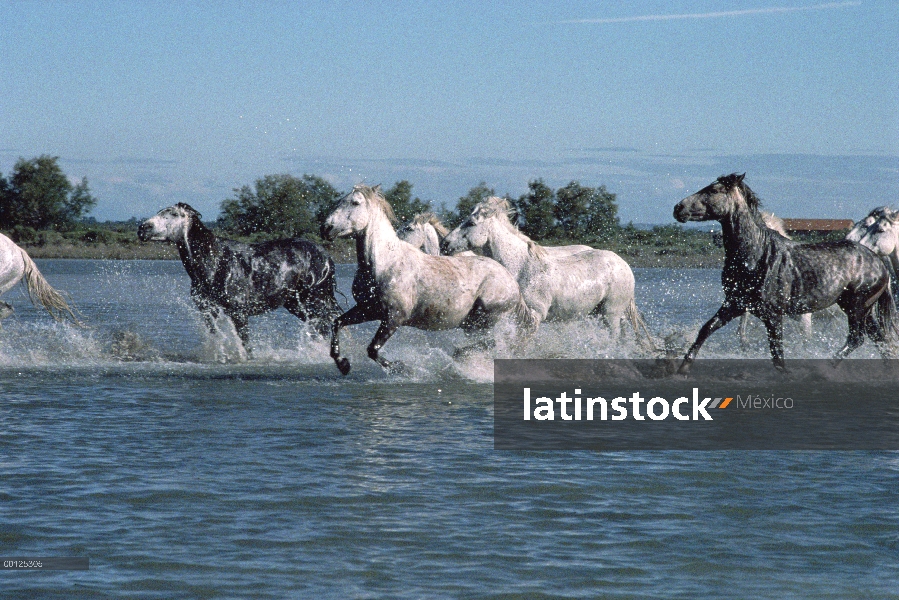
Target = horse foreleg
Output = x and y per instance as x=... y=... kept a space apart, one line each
x=241 y=325
x=351 y=317
x=724 y=315
x=775 y=326
x=383 y=334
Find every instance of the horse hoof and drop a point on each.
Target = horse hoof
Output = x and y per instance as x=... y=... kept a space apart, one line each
x=343 y=365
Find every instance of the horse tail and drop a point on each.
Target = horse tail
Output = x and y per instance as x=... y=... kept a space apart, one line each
x=42 y=294
x=330 y=280
x=641 y=331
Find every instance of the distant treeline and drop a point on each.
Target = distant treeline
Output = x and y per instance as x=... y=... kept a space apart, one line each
x=283 y=205
x=40 y=208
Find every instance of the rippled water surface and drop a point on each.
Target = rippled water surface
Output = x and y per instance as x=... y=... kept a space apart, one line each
x=139 y=443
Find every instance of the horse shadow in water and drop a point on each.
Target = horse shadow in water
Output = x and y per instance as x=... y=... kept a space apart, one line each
x=770 y=276
x=238 y=280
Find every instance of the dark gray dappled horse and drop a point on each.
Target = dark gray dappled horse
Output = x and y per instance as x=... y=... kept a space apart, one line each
x=242 y=280
x=770 y=276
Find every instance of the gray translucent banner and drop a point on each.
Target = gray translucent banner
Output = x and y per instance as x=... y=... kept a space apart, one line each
x=720 y=405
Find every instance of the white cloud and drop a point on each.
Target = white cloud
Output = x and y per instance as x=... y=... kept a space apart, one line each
x=712 y=15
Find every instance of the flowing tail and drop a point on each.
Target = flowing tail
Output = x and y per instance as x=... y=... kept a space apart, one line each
x=641 y=331
x=42 y=294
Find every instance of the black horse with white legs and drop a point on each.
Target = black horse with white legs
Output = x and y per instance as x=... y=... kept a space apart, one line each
x=237 y=280
x=770 y=276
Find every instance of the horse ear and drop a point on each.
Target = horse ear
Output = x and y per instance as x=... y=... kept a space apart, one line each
x=377 y=189
x=741 y=177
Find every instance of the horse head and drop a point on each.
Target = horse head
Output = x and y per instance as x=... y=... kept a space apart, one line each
x=717 y=200
x=169 y=224
x=862 y=228
x=424 y=231
x=883 y=235
x=474 y=232
x=355 y=211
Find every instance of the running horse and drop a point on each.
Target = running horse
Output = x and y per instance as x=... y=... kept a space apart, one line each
x=238 y=280
x=399 y=285
x=16 y=265
x=561 y=283
x=425 y=232
x=770 y=276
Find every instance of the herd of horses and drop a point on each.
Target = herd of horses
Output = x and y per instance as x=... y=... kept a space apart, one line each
x=487 y=270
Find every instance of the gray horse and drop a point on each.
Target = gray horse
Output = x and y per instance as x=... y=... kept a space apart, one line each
x=237 y=280
x=770 y=276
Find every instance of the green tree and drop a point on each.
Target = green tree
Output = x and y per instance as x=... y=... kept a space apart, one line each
x=279 y=206
x=404 y=206
x=466 y=204
x=80 y=201
x=537 y=209
x=38 y=195
x=602 y=214
x=585 y=212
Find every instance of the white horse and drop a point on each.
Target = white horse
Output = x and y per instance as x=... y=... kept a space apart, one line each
x=882 y=236
x=805 y=320
x=15 y=265
x=424 y=231
x=556 y=285
x=397 y=284
x=861 y=228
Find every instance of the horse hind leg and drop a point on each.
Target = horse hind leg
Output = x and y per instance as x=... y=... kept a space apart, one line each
x=775 y=326
x=857 y=318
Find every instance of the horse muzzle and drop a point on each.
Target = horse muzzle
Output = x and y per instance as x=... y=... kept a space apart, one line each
x=682 y=214
x=145 y=232
x=327 y=232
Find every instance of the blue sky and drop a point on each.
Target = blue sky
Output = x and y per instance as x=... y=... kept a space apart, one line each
x=161 y=102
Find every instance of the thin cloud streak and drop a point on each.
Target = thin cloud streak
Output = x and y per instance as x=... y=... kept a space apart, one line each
x=712 y=15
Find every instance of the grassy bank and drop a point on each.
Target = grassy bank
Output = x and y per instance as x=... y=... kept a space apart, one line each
x=666 y=246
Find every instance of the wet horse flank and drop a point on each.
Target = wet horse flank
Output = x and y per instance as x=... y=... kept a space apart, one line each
x=770 y=276
x=242 y=280
x=398 y=284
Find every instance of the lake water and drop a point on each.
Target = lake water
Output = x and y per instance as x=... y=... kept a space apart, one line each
x=135 y=443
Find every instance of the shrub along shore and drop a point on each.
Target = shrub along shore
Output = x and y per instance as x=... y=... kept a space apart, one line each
x=665 y=246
